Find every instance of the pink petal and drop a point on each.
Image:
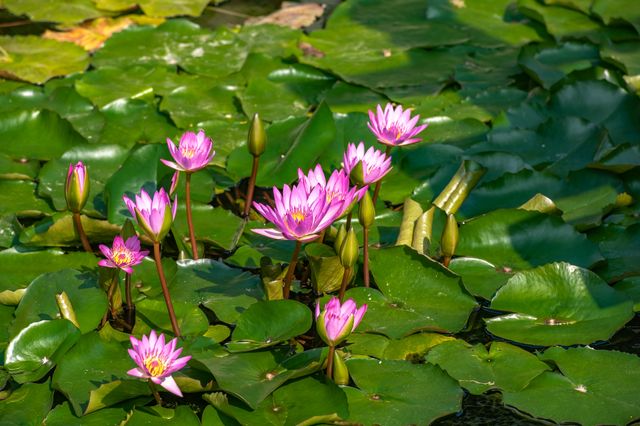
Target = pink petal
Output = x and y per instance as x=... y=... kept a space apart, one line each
x=170 y=384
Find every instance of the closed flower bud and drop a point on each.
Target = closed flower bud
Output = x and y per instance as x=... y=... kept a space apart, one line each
x=342 y=233
x=449 y=237
x=336 y=322
x=357 y=174
x=340 y=370
x=366 y=212
x=257 y=137
x=349 y=249
x=76 y=189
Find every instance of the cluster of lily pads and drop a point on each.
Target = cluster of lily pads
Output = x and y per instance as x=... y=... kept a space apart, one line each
x=498 y=260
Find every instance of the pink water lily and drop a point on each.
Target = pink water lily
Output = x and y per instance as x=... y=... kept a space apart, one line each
x=154 y=215
x=301 y=212
x=123 y=254
x=193 y=152
x=395 y=127
x=76 y=189
x=336 y=321
x=338 y=186
x=157 y=361
x=375 y=164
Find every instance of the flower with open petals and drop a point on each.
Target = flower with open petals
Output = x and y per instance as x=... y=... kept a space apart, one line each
x=338 y=185
x=157 y=361
x=154 y=215
x=301 y=212
x=375 y=164
x=193 y=152
x=336 y=322
x=395 y=127
x=76 y=188
x=123 y=254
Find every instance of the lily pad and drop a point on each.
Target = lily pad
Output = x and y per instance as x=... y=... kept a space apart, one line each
x=213 y=225
x=63 y=11
x=18 y=196
x=412 y=348
x=558 y=304
x=59 y=230
x=477 y=369
x=152 y=315
x=27 y=405
x=591 y=388
x=62 y=415
x=400 y=393
x=269 y=322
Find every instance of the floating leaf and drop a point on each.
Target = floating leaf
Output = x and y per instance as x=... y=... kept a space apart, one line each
x=27 y=405
x=412 y=348
x=480 y=278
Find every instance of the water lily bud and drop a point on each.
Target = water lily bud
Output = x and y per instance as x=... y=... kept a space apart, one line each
x=449 y=237
x=76 y=189
x=337 y=243
x=340 y=370
x=367 y=211
x=357 y=174
x=257 y=137
x=336 y=322
x=349 y=249
x=154 y=214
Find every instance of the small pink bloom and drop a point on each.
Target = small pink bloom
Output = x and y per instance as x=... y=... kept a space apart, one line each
x=302 y=211
x=395 y=127
x=338 y=185
x=154 y=215
x=123 y=255
x=76 y=188
x=336 y=322
x=375 y=164
x=157 y=361
x=193 y=153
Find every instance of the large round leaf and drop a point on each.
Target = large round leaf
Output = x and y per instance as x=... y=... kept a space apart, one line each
x=89 y=301
x=417 y=294
x=559 y=304
x=594 y=388
x=62 y=415
x=28 y=405
x=152 y=315
x=480 y=277
x=38 y=347
x=59 y=230
x=400 y=393
x=269 y=322
x=411 y=348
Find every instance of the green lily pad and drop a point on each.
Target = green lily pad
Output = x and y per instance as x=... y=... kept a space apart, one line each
x=213 y=225
x=269 y=322
x=89 y=301
x=631 y=287
x=324 y=402
x=93 y=375
x=400 y=393
x=27 y=405
x=401 y=274
x=625 y=56
x=38 y=347
x=17 y=170
x=62 y=415
x=594 y=388
x=152 y=315
x=558 y=304
x=182 y=415
x=36 y=59
x=252 y=376
x=619 y=245
x=59 y=230
x=18 y=196
x=226 y=291
x=326 y=268
x=477 y=369
x=411 y=348
x=479 y=277
x=562 y=23
x=520 y=239
x=66 y=12
x=16 y=275
x=614 y=11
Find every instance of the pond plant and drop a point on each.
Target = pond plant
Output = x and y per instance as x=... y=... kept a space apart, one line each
x=488 y=150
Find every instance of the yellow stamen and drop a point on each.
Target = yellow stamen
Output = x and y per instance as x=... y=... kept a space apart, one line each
x=298 y=216
x=122 y=256
x=188 y=152
x=155 y=366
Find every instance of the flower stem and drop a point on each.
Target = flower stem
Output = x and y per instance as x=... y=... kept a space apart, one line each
x=252 y=186
x=379 y=183
x=345 y=281
x=365 y=256
x=192 y=235
x=332 y=350
x=292 y=267
x=165 y=289
x=130 y=314
x=155 y=393
x=349 y=217
x=83 y=237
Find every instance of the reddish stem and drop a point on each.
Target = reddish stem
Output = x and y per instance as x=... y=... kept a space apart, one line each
x=192 y=234
x=345 y=280
x=252 y=186
x=292 y=266
x=83 y=237
x=365 y=256
x=332 y=350
x=165 y=289
x=376 y=191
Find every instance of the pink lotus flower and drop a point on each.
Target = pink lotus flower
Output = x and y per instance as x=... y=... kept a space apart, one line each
x=336 y=322
x=375 y=164
x=192 y=154
x=338 y=185
x=123 y=255
x=302 y=212
x=395 y=127
x=157 y=361
x=154 y=215
x=76 y=188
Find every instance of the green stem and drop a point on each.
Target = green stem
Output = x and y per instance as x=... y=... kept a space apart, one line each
x=131 y=313
x=165 y=289
x=349 y=217
x=379 y=183
x=252 y=186
x=332 y=350
x=155 y=393
x=192 y=235
x=83 y=237
x=365 y=256
x=345 y=281
x=292 y=266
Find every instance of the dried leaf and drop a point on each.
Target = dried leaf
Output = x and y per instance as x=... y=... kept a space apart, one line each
x=292 y=15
